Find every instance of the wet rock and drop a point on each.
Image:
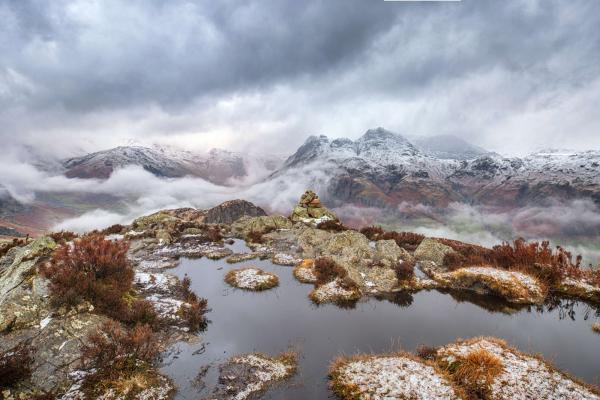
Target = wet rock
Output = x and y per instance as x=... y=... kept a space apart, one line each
x=523 y=376
x=245 y=225
x=309 y=210
x=305 y=271
x=247 y=376
x=432 y=250
x=251 y=278
x=335 y=291
x=285 y=259
x=231 y=211
x=580 y=289
x=515 y=287
x=394 y=376
x=240 y=257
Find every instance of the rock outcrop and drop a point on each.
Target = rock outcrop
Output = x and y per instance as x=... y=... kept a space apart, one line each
x=231 y=211
x=264 y=224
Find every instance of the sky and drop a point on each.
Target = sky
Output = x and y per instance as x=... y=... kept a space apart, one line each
x=512 y=76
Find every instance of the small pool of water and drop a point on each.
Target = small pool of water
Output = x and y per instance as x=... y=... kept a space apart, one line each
x=284 y=317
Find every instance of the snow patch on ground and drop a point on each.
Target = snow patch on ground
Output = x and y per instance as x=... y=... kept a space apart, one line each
x=392 y=377
x=251 y=279
x=285 y=259
x=266 y=370
x=334 y=291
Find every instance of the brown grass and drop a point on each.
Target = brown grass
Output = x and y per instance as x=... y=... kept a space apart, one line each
x=192 y=313
x=63 y=236
x=407 y=240
x=427 y=352
x=596 y=327
x=326 y=270
x=534 y=258
x=476 y=372
x=405 y=270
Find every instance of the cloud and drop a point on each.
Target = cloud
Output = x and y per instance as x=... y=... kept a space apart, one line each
x=512 y=76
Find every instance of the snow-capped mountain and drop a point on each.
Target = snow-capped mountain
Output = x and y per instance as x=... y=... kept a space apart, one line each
x=217 y=165
x=382 y=168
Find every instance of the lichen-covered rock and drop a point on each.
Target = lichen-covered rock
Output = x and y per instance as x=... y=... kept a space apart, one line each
x=20 y=306
x=523 y=376
x=387 y=253
x=161 y=218
x=230 y=211
x=163 y=236
x=515 y=287
x=263 y=224
x=246 y=376
x=432 y=250
x=251 y=278
x=393 y=376
x=311 y=241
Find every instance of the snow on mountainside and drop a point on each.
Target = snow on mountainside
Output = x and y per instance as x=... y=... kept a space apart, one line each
x=448 y=147
x=384 y=169
x=217 y=165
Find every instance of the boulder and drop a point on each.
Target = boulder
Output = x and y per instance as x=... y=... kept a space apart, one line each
x=388 y=253
x=231 y=211
x=432 y=250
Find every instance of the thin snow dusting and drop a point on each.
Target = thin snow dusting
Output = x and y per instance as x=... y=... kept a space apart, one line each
x=253 y=278
x=45 y=322
x=333 y=291
x=285 y=259
x=266 y=370
x=524 y=377
x=394 y=377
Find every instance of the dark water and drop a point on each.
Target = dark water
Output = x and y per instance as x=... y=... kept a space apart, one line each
x=275 y=320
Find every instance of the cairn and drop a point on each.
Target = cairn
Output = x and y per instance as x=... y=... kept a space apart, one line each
x=310 y=210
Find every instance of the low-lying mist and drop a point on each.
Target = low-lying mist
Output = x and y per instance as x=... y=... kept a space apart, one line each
x=575 y=225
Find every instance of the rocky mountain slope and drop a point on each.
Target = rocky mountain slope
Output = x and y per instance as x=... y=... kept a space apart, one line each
x=382 y=169
x=217 y=165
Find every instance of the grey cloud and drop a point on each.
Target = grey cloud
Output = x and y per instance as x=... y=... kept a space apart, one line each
x=271 y=72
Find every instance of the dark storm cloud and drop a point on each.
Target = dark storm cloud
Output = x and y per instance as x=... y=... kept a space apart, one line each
x=274 y=71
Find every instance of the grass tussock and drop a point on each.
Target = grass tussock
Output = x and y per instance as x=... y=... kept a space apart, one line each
x=405 y=270
x=63 y=237
x=596 y=327
x=476 y=372
x=427 y=352
x=407 y=240
x=194 y=310
x=326 y=270
x=15 y=365
x=113 y=230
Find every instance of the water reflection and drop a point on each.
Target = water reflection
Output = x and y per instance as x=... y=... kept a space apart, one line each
x=284 y=317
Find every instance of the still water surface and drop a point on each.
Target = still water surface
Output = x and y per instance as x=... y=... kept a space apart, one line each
x=282 y=318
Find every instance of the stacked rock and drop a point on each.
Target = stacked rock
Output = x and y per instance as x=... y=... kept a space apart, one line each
x=310 y=210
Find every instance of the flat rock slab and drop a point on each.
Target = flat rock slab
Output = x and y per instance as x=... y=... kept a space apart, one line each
x=397 y=376
x=524 y=376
